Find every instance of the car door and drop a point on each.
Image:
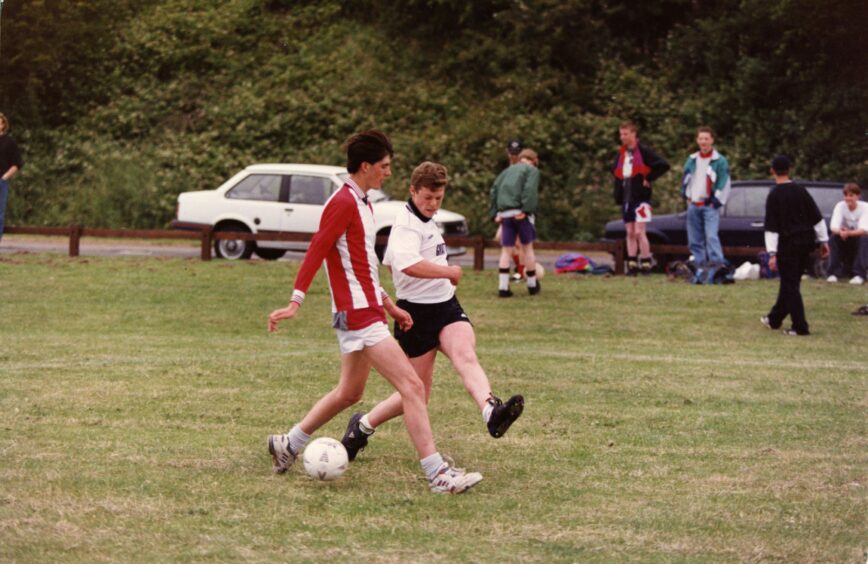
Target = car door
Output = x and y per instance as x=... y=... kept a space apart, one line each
x=257 y=198
x=742 y=221
x=307 y=196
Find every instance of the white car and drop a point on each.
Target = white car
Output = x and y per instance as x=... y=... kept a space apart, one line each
x=269 y=198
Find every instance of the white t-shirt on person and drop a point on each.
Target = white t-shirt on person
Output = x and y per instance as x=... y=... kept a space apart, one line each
x=842 y=216
x=412 y=241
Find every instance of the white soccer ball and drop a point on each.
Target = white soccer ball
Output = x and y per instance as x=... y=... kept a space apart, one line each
x=325 y=459
x=540 y=271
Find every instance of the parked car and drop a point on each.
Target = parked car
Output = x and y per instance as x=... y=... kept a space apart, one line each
x=741 y=220
x=270 y=198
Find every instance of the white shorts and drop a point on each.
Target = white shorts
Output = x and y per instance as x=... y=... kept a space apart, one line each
x=352 y=341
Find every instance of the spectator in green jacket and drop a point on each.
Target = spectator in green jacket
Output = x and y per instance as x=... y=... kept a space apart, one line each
x=514 y=198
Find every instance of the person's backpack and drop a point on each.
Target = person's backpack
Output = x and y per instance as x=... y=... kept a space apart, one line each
x=573 y=262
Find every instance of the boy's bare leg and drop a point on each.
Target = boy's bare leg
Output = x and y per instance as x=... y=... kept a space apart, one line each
x=393 y=406
x=355 y=368
x=389 y=360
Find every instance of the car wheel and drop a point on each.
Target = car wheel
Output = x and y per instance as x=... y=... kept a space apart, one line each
x=270 y=254
x=381 y=249
x=233 y=249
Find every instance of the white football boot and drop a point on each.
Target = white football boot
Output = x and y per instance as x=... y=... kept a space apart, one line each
x=451 y=480
x=282 y=455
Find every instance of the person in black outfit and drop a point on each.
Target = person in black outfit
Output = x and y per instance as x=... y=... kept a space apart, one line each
x=10 y=163
x=793 y=223
x=635 y=168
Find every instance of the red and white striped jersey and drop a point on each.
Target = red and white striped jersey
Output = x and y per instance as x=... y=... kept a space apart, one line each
x=345 y=241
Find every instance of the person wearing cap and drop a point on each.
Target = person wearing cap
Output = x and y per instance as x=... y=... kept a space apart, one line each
x=636 y=166
x=514 y=197
x=705 y=186
x=513 y=148
x=10 y=163
x=793 y=225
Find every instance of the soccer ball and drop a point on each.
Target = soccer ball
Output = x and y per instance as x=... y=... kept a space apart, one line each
x=540 y=271
x=325 y=459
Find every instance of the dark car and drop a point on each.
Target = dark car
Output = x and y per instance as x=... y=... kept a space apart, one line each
x=741 y=220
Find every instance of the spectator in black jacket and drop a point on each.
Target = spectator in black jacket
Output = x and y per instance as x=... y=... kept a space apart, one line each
x=10 y=163
x=793 y=223
x=635 y=168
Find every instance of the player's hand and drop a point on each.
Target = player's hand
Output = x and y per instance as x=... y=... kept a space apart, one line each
x=843 y=234
x=455 y=274
x=280 y=314
x=824 y=250
x=646 y=184
x=773 y=264
x=402 y=318
x=520 y=215
x=497 y=218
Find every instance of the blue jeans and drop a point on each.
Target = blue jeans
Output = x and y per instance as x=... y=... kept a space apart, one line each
x=4 y=195
x=702 y=238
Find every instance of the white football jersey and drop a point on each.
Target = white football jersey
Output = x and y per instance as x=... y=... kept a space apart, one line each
x=413 y=240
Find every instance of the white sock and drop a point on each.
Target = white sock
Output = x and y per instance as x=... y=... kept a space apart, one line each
x=486 y=411
x=297 y=439
x=531 y=278
x=431 y=464
x=365 y=425
x=503 y=280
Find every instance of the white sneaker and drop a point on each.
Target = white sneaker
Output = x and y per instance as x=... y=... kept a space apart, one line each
x=282 y=455
x=832 y=278
x=857 y=280
x=450 y=480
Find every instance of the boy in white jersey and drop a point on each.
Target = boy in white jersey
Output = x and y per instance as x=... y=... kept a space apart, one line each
x=345 y=243
x=425 y=285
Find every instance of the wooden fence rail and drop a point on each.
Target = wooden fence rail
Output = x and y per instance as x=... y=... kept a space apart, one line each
x=206 y=238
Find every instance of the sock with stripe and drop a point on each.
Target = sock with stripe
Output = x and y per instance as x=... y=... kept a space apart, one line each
x=503 y=279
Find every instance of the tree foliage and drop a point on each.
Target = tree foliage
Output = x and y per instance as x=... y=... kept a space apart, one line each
x=119 y=106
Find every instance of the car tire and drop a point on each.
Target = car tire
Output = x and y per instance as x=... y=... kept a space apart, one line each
x=269 y=254
x=233 y=249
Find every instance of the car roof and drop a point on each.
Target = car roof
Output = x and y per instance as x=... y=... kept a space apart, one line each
x=805 y=183
x=289 y=168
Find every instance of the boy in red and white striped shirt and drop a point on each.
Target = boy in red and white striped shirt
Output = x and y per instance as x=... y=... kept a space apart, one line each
x=345 y=242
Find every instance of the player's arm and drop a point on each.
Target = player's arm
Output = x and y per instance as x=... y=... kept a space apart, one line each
x=335 y=219
x=401 y=316
x=427 y=269
x=530 y=192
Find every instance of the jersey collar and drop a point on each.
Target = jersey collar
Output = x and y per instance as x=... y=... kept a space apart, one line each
x=412 y=207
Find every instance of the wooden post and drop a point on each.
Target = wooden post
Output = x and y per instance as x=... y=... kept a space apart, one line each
x=206 y=243
x=479 y=253
x=74 y=239
x=619 y=256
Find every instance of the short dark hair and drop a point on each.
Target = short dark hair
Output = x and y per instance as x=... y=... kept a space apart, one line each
x=705 y=129
x=629 y=125
x=852 y=188
x=433 y=176
x=369 y=146
x=781 y=164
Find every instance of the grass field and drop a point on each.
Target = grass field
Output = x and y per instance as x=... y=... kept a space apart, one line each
x=663 y=422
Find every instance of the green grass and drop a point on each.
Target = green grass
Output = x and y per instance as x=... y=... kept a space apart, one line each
x=663 y=422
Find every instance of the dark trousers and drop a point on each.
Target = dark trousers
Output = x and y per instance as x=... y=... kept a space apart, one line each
x=848 y=257
x=791 y=266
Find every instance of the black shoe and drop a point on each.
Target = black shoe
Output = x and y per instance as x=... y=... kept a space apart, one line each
x=534 y=290
x=504 y=414
x=354 y=439
x=794 y=333
x=645 y=267
x=505 y=293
